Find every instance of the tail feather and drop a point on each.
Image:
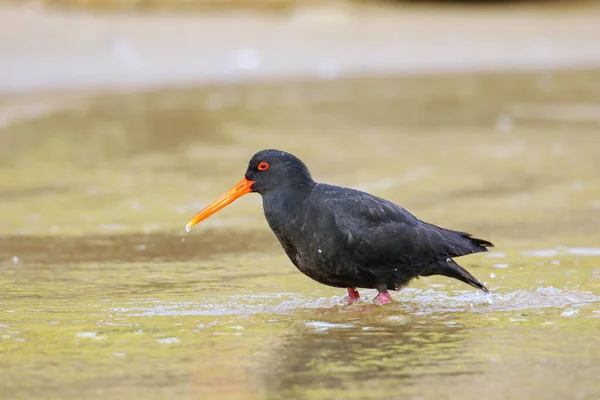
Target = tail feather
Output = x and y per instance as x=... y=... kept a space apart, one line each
x=468 y=243
x=479 y=242
x=451 y=269
x=457 y=243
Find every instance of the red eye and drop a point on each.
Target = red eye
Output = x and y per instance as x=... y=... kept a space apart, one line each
x=263 y=166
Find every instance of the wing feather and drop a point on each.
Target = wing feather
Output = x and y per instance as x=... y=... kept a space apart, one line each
x=377 y=232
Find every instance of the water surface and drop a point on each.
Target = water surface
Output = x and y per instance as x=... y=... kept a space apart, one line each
x=105 y=296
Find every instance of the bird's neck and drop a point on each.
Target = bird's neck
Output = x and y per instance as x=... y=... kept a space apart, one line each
x=281 y=206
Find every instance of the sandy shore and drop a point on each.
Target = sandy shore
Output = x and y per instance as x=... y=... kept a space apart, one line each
x=45 y=50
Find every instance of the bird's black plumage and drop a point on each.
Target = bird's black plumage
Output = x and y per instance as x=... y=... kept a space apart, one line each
x=347 y=238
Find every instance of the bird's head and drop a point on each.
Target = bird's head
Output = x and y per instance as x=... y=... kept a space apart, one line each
x=275 y=170
x=268 y=170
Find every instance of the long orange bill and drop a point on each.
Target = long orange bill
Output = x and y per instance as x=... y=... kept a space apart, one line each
x=244 y=186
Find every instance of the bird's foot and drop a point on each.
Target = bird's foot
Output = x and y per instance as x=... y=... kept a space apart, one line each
x=383 y=297
x=352 y=297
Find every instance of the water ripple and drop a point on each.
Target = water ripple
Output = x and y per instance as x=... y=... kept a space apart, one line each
x=416 y=301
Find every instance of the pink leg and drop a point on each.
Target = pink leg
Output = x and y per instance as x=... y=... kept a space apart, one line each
x=384 y=297
x=353 y=296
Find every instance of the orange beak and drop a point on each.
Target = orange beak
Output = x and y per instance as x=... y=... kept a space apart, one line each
x=244 y=186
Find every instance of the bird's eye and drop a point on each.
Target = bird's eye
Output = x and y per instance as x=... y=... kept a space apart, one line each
x=263 y=166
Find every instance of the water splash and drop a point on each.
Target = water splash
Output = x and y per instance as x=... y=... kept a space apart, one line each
x=415 y=301
x=570 y=312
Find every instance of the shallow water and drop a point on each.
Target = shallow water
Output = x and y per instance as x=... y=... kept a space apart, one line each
x=104 y=295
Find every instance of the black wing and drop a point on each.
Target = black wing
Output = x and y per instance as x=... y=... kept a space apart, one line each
x=378 y=233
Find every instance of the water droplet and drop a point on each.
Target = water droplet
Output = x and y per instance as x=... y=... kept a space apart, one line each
x=492 y=275
x=489 y=298
x=182 y=240
x=15 y=260
x=188 y=228
x=320 y=251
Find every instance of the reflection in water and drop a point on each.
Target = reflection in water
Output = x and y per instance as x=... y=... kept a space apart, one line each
x=318 y=359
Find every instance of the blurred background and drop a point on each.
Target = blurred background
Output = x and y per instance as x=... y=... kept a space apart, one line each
x=120 y=119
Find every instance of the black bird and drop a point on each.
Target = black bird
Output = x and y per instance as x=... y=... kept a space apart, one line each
x=344 y=237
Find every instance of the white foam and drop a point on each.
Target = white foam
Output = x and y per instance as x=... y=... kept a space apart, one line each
x=410 y=300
